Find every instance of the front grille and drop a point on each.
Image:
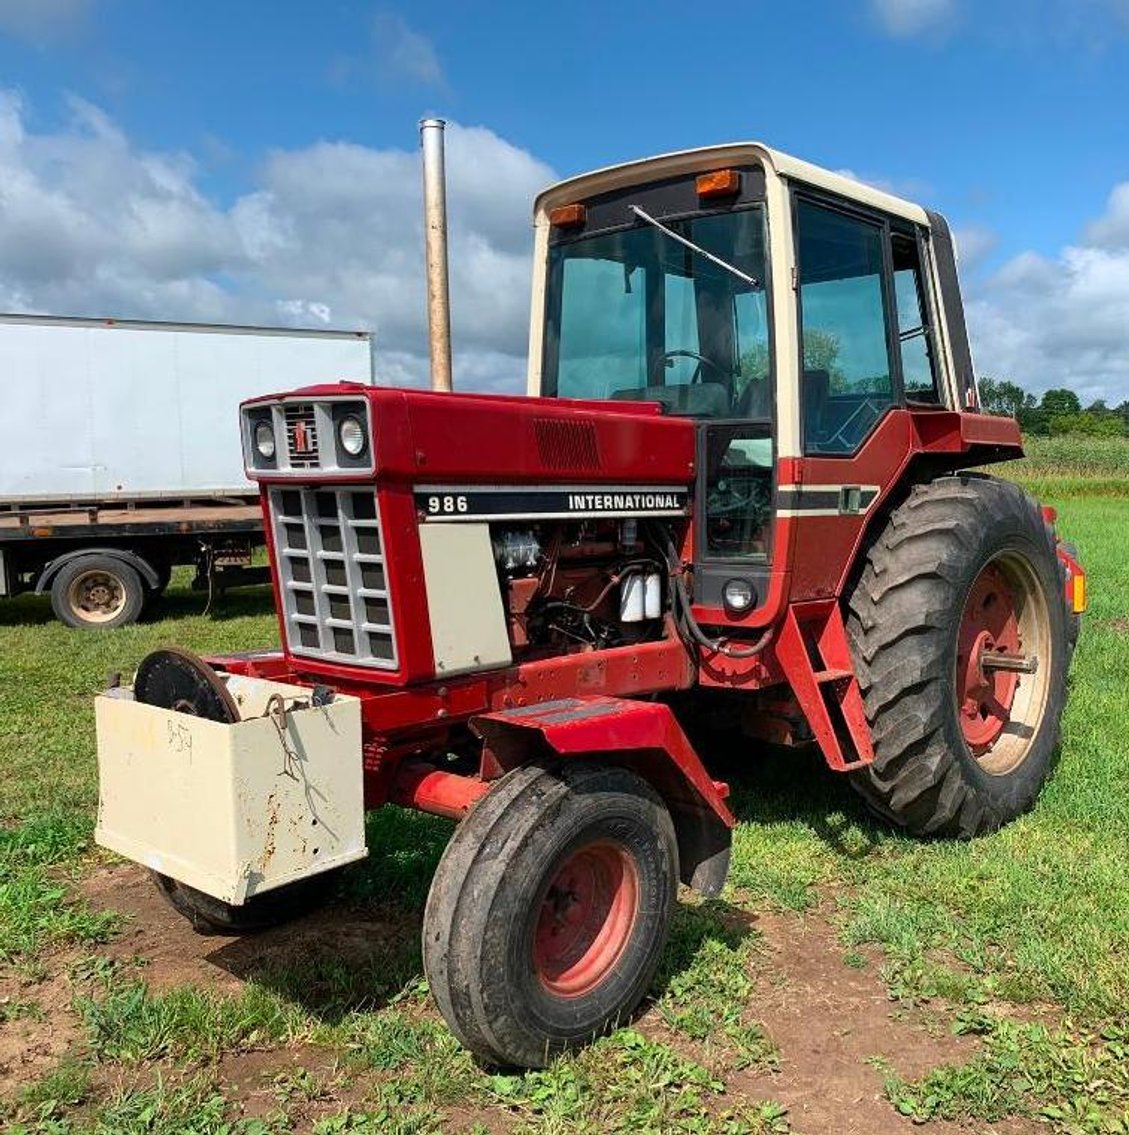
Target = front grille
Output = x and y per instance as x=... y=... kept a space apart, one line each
x=302 y=435
x=333 y=579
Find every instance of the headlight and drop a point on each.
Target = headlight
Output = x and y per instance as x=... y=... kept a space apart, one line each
x=264 y=440
x=352 y=435
x=738 y=595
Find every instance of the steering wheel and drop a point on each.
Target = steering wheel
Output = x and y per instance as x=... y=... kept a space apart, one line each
x=702 y=361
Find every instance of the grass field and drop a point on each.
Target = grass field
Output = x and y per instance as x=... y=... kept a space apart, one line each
x=1001 y=965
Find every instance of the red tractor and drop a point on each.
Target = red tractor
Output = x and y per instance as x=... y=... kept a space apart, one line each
x=740 y=488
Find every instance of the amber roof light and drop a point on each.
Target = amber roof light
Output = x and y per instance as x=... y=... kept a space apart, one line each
x=567 y=216
x=719 y=183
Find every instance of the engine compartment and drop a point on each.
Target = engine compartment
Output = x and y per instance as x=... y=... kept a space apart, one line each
x=589 y=584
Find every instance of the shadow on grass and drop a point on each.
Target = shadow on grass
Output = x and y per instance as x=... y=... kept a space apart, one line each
x=26 y=611
x=362 y=952
x=776 y=785
x=30 y=610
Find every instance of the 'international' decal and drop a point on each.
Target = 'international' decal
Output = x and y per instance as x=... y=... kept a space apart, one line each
x=453 y=503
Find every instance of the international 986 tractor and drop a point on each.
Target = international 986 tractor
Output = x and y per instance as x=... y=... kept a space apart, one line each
x=740 y=488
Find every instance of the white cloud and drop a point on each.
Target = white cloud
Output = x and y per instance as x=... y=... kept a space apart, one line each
x=973 y=243
x=330 y=234
x=904 y=18
x=404 y=53
x=1111 y=229
x=1062 y=320
x=41 y=21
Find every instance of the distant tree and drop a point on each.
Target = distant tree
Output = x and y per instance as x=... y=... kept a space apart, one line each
x=1059 y=401
x=1033 y=420
x=998 y=396
x=1098 y=408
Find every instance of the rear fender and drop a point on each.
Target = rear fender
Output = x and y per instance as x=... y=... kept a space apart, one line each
x=642 y=736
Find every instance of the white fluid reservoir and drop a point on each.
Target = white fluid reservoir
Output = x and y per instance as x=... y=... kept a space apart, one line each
x=632 y=599
x=653 y=596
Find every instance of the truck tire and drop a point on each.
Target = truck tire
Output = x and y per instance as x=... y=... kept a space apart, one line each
x=964 y=572
x=550 y=910
x=97 y=592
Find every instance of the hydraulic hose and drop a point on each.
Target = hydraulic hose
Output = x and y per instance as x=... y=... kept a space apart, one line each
x=684 y=618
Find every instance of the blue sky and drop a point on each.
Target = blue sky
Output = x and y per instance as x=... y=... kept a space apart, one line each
x=254 y=160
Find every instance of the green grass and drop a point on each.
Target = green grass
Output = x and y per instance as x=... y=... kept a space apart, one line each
x=1033 y=920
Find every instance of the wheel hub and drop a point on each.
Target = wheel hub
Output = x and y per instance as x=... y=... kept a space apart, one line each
x=585 y=919
x=989 y=631
x=96 y=596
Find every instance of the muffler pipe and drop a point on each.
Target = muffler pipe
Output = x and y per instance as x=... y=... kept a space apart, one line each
x=435 y=232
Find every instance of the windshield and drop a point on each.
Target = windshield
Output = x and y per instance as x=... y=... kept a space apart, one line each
x=634 y=314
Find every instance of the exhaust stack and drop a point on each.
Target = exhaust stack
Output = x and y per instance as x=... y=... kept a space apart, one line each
x=435 y=229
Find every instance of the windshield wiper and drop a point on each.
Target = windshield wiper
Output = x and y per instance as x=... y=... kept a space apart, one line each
x=752 y=281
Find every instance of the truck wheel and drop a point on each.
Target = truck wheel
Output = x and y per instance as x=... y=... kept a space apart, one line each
x=958 y=598
x=550 y=909
x=97 y=591
x=179 y=680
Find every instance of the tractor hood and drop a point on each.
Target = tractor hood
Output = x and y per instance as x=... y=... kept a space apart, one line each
x=423 y=437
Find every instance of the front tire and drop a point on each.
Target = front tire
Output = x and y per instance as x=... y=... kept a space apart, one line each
x=963 y=579
x=210 y=915
x=550 y=910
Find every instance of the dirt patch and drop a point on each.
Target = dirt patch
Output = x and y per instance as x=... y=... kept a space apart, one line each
x=175 y=954
x=32 y=1045
x=828 y=1021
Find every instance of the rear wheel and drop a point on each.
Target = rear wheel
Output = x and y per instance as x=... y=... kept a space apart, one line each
x=958 y=635
x=550 y=910
x=97 y=591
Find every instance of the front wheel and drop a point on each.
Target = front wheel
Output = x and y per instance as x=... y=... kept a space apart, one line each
x=958 y=636
x=550 y=910
x=210 y=915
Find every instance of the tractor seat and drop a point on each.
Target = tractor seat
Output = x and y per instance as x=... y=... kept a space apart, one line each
x=816 y=395
x=694 y=400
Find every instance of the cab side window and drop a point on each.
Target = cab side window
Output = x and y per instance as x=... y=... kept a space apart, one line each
x=915 y=337
x=847 y=374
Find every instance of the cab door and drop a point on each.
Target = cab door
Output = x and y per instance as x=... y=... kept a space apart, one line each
x=868 y=344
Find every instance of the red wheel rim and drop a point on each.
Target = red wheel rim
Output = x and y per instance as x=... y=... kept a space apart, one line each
x=989 y=623
x=585 y=919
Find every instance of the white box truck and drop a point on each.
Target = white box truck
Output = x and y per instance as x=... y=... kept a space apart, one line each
x=121 y=455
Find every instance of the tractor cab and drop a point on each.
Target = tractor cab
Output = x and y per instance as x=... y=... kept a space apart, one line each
x=787 y=310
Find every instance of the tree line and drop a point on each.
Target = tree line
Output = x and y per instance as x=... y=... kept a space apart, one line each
x=1057 y=412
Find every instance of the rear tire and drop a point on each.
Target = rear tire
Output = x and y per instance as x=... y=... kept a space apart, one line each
x=550 y=910
x=97 y=592
x=965 y=570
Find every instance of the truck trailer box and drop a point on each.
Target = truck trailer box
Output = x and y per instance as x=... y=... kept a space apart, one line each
x=100 y=409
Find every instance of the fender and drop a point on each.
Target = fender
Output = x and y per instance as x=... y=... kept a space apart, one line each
x=643 y=736
x=142 y=567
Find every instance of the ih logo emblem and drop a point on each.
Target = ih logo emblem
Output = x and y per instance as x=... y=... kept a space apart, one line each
x=303 y=438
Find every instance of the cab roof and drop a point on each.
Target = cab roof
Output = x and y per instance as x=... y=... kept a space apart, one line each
x=712 y=157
